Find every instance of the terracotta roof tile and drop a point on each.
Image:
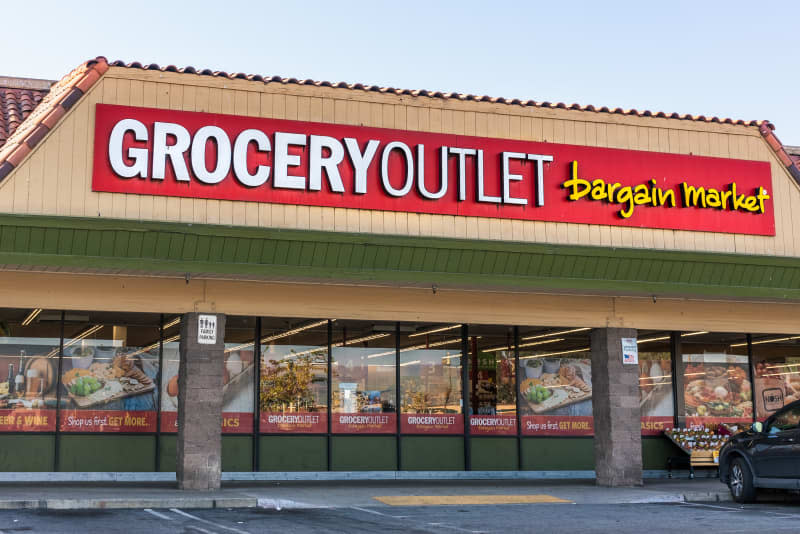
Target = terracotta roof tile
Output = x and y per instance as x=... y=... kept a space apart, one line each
x=427 y=93
x=32 y=122
x=15 y=106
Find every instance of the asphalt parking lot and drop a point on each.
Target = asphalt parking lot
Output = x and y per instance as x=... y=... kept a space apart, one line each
x=543 y=517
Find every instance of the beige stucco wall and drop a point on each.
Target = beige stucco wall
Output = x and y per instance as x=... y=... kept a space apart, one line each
x=56 y=177
x=173 y=295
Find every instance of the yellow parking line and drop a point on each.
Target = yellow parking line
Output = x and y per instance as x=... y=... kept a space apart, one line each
x=439 y=500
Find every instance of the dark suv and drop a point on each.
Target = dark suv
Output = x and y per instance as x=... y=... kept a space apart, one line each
x=766 y=456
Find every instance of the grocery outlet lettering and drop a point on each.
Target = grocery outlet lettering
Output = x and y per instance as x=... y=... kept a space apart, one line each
x=149 y=152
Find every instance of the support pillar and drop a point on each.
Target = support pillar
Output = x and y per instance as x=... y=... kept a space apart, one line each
x=615 y=402
x=199 y=462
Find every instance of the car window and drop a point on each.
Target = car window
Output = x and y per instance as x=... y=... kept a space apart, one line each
x=788 y=420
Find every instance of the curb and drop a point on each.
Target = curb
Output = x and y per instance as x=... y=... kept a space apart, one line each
x=128 y=504
x=276 y=504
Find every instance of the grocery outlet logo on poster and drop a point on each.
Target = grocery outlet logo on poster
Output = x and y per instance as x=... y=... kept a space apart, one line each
x=201 y=155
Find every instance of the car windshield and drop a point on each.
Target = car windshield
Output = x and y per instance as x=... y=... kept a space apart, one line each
x=787 y=420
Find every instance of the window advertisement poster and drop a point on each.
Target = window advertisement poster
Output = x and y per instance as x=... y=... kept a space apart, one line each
x=556 y=395
x=293 y=394
x=237 y=388
x=716 y=388
x=655 y=392
x=776 y=371
x=108 y=379
x=28 y=365
x=430 y=390
x=493 y=388
x=363 y=382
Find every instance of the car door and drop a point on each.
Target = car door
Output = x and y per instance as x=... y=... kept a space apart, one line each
x=775 y=452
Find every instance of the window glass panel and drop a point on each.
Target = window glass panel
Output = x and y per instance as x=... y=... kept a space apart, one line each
x=363 y=382
x=430 y=379
x=29 y=344
x=716 y=383
x=557 y=386
x=776 y=361
x=237 y=375
x=169 y=380
x=109 y=372
x=655 y=382
x=294 y=376
x=787 y=420
x=493 y=398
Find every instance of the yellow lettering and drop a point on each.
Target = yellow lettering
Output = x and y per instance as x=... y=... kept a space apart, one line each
x=693 y=196
x=736 y=200
x=725 y=195
x=574 y=182
x=664 y=196
x=598 y=189
x=761 y=195
x=712 y=197
x=625 y=196
x=611 y=191
x=641 y=195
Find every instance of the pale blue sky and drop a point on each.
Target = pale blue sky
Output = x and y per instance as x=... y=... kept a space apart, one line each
x=734 y=59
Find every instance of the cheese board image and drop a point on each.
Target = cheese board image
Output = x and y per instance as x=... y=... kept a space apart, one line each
x=552 y=391
x=102 y=383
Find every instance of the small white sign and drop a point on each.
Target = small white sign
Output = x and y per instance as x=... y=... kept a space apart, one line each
x=207 y=329
x=630 y=351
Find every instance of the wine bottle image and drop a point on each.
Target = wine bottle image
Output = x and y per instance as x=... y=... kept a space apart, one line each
x=11 y=380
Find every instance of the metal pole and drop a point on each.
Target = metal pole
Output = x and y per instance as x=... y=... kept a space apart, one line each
x=751 y=373
x=465 y=404
x=677 y=378
x=159 y=376
x=257 y=394
x=518 y=375
x=57 y=440
x=330 y=391
x=397 y=392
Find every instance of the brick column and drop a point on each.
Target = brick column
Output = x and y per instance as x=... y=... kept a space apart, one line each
x=615 y=401
x=199 y=463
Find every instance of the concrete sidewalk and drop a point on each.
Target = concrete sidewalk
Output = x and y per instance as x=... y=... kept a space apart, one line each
x=293 y=495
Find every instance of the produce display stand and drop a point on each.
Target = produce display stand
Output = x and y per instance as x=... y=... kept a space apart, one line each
x=693 y=458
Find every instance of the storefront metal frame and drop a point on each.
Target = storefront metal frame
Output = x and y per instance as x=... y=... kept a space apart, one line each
x=398 y=435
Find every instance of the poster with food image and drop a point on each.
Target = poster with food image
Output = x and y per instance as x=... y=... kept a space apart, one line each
x=237 y=389
x=556 y=396
x=106 y=387
x=655 y=392
x=777 y=383
x=28 y=384
x=293 y=393
x=717 y=388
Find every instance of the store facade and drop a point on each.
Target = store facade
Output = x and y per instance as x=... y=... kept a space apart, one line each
x=275 y=275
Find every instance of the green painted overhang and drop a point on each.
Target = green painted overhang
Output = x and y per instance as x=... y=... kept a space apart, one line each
x=70 y=244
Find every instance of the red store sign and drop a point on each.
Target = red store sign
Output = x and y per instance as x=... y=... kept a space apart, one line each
x=201 y=155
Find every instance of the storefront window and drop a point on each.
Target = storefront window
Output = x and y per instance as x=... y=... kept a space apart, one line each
x=556 y=390
x=293 y=396
x=776 y=369
x=716 y=385
x=109 y=372
x=238 y=375
x=655 y=382
x=169 y=381
x=29 y=345
x=430 y=379
x=492 y=373
x=363 y=380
